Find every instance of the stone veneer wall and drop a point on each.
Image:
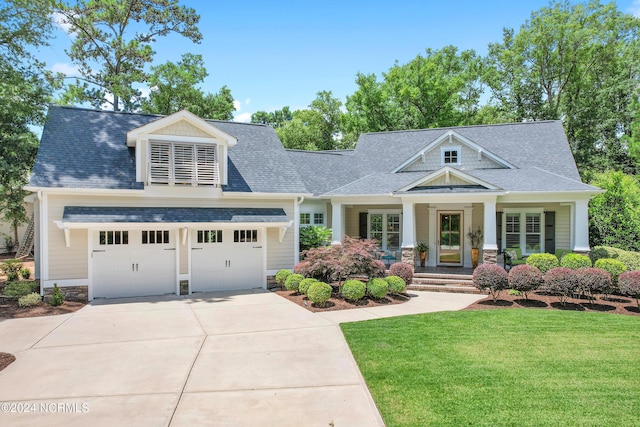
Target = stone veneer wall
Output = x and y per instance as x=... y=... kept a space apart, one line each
x=72 y=293
x=489 y=256
x=409 y=256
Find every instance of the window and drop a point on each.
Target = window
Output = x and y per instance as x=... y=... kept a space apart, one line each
x=385 y=228
x=209 y=236
x=523 y=229
x=245 y=236
x=318 y=219
x=182 y=163
x=150 y=237
x=450 y=156
x=305 y=219
x=311 y=218
x=114 y=237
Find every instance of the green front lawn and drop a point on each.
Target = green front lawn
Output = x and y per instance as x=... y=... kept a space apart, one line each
x=502 y=368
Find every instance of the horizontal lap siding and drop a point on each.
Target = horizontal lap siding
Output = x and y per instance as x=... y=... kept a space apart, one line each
x=422 y=223
x=71 y=263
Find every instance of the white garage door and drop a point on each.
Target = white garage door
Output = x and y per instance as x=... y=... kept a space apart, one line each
x=226 y=259
x=127 y=263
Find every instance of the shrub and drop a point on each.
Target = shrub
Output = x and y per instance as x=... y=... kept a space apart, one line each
x=20 y=289
x=525 y=278
x=25 y=273
x=377 y=288
x=29 y=300
x=354 y=257
x=314 y=236
x=301 y=268
x=543 y=261
x=490 y=277
x=630 y=259
x=281 y=276
x=402 y=269
x=592 y=281
x=57 y=298
x=319 y=293
x=353 y=290
x=612 y=266
x=562 y=281
x=378 y=269
x=575 y=261
x=629 y=284
x=303 y=288
x=396 y=284
x=293 y=282
x=11 y=269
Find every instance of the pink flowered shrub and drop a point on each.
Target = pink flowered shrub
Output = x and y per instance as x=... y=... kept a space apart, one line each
x=490 y=277
x=629 y=284
x=593 y=281
x=402 y=269
x=525 y=278
x=562 y=281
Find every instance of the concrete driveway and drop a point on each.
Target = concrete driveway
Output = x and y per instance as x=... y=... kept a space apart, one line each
x=224 y=359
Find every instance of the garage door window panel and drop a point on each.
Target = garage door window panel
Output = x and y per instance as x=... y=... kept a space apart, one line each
x=150 y=237
x=114 y=238
x=245 y=236
x=209 y=236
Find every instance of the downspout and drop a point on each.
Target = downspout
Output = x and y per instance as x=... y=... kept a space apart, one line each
x=296 y=230
x=38 y=247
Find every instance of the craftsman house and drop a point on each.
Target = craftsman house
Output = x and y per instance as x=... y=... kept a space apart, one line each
x=134 y=204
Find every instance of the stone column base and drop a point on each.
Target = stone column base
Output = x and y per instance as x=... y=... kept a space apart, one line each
x=490 y=256
x=582 y=252
x=409 y=256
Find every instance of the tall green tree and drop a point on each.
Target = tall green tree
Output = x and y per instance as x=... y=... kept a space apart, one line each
x=274 y=119
x=113 y=44
x=577 y=63
x=25 y=91
x=174 y=87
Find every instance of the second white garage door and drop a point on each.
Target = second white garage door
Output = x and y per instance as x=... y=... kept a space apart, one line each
x=226 y=259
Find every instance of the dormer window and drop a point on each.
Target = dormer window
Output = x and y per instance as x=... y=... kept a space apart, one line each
x=172 y=163
x=450 y=156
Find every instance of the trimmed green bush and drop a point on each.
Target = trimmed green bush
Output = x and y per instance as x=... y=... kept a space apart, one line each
x=293 y=282
x=543 y=261
x=377 y=288
x=303 y=288
x=281 y=276
x=25 y=273
x=403 y=270
x=612 y=266
x=396 y=284
x=20 y=289
x=630 y=259
x=319 y=293
x=57 y=298
x=490 y=277
x=575 y=261
x=525 y=278
x=29 y=300
x=353 y=290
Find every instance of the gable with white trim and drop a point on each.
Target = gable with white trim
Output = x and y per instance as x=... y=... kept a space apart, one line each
x=450 y=178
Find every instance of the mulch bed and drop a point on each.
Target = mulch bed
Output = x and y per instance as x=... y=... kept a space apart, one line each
x=9 y=309
x=6 y=359
x=614 y=304
x=336 y=302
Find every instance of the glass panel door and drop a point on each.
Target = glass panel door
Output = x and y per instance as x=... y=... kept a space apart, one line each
x=450 y=249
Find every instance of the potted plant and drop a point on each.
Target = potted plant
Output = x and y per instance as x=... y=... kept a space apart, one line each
x=422 y=248
x=475 y=237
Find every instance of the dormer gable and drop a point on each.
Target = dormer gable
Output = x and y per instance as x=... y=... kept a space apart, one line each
x=181 y=149
x=448 y=177
x=452 y=150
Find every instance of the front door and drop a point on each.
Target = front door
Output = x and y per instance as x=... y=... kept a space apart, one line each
x=450 y=244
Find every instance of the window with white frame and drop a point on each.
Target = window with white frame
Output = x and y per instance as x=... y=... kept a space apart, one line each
x=524 y=229
x=114 y=237
x=183 y=163
x=305 y=219
x=450 y=156
x=385 y=228
x=311 y=218
x=153 y=237
x=318 y=219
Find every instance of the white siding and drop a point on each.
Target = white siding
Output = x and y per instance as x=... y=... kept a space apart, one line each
x=422 y=223
x=442 y=180
x=182 y=128
x=468 y=159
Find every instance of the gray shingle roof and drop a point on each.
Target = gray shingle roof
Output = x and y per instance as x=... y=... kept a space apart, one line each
x=83 y=214
x=83 y=148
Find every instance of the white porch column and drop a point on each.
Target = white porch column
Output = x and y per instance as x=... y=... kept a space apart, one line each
x=408 y=225
x=581 y=226
x=489 y=232
x=433 y=237
x=337 y=223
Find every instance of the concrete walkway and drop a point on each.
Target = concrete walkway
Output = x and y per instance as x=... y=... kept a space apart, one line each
x=224 y=359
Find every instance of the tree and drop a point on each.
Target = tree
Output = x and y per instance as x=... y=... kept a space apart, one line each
x=576 y=63
x=274 y=119
x=174 y=88
x=113 y=43
x=25 y=91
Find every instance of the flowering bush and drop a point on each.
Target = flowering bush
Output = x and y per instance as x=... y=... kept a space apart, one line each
x=525 y=278
x=629 y=284
x=377 y=288
x=319 y=293
x=543 y=261
x=575 y=261
x=396 y=284
x=562 y=281
x=592 y=281
x=490 y=277
x=402 y=269
x=353 y=290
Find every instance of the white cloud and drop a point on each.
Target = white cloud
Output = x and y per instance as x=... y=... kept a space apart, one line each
x=248 y=100
x=60 y=20
x=237 y=105
x=243 y=118
x=634 y=9
x=66 y=69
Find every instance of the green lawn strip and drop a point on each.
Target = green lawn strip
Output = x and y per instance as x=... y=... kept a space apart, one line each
x=502 y=368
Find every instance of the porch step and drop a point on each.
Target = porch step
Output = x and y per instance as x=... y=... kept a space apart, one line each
x=441 y=281
x=459 y=289
x=466 y=277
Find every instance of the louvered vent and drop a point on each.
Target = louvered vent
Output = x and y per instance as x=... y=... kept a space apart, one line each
x=180 y=163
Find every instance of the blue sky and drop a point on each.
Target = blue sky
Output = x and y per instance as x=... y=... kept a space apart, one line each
x=272 y=54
